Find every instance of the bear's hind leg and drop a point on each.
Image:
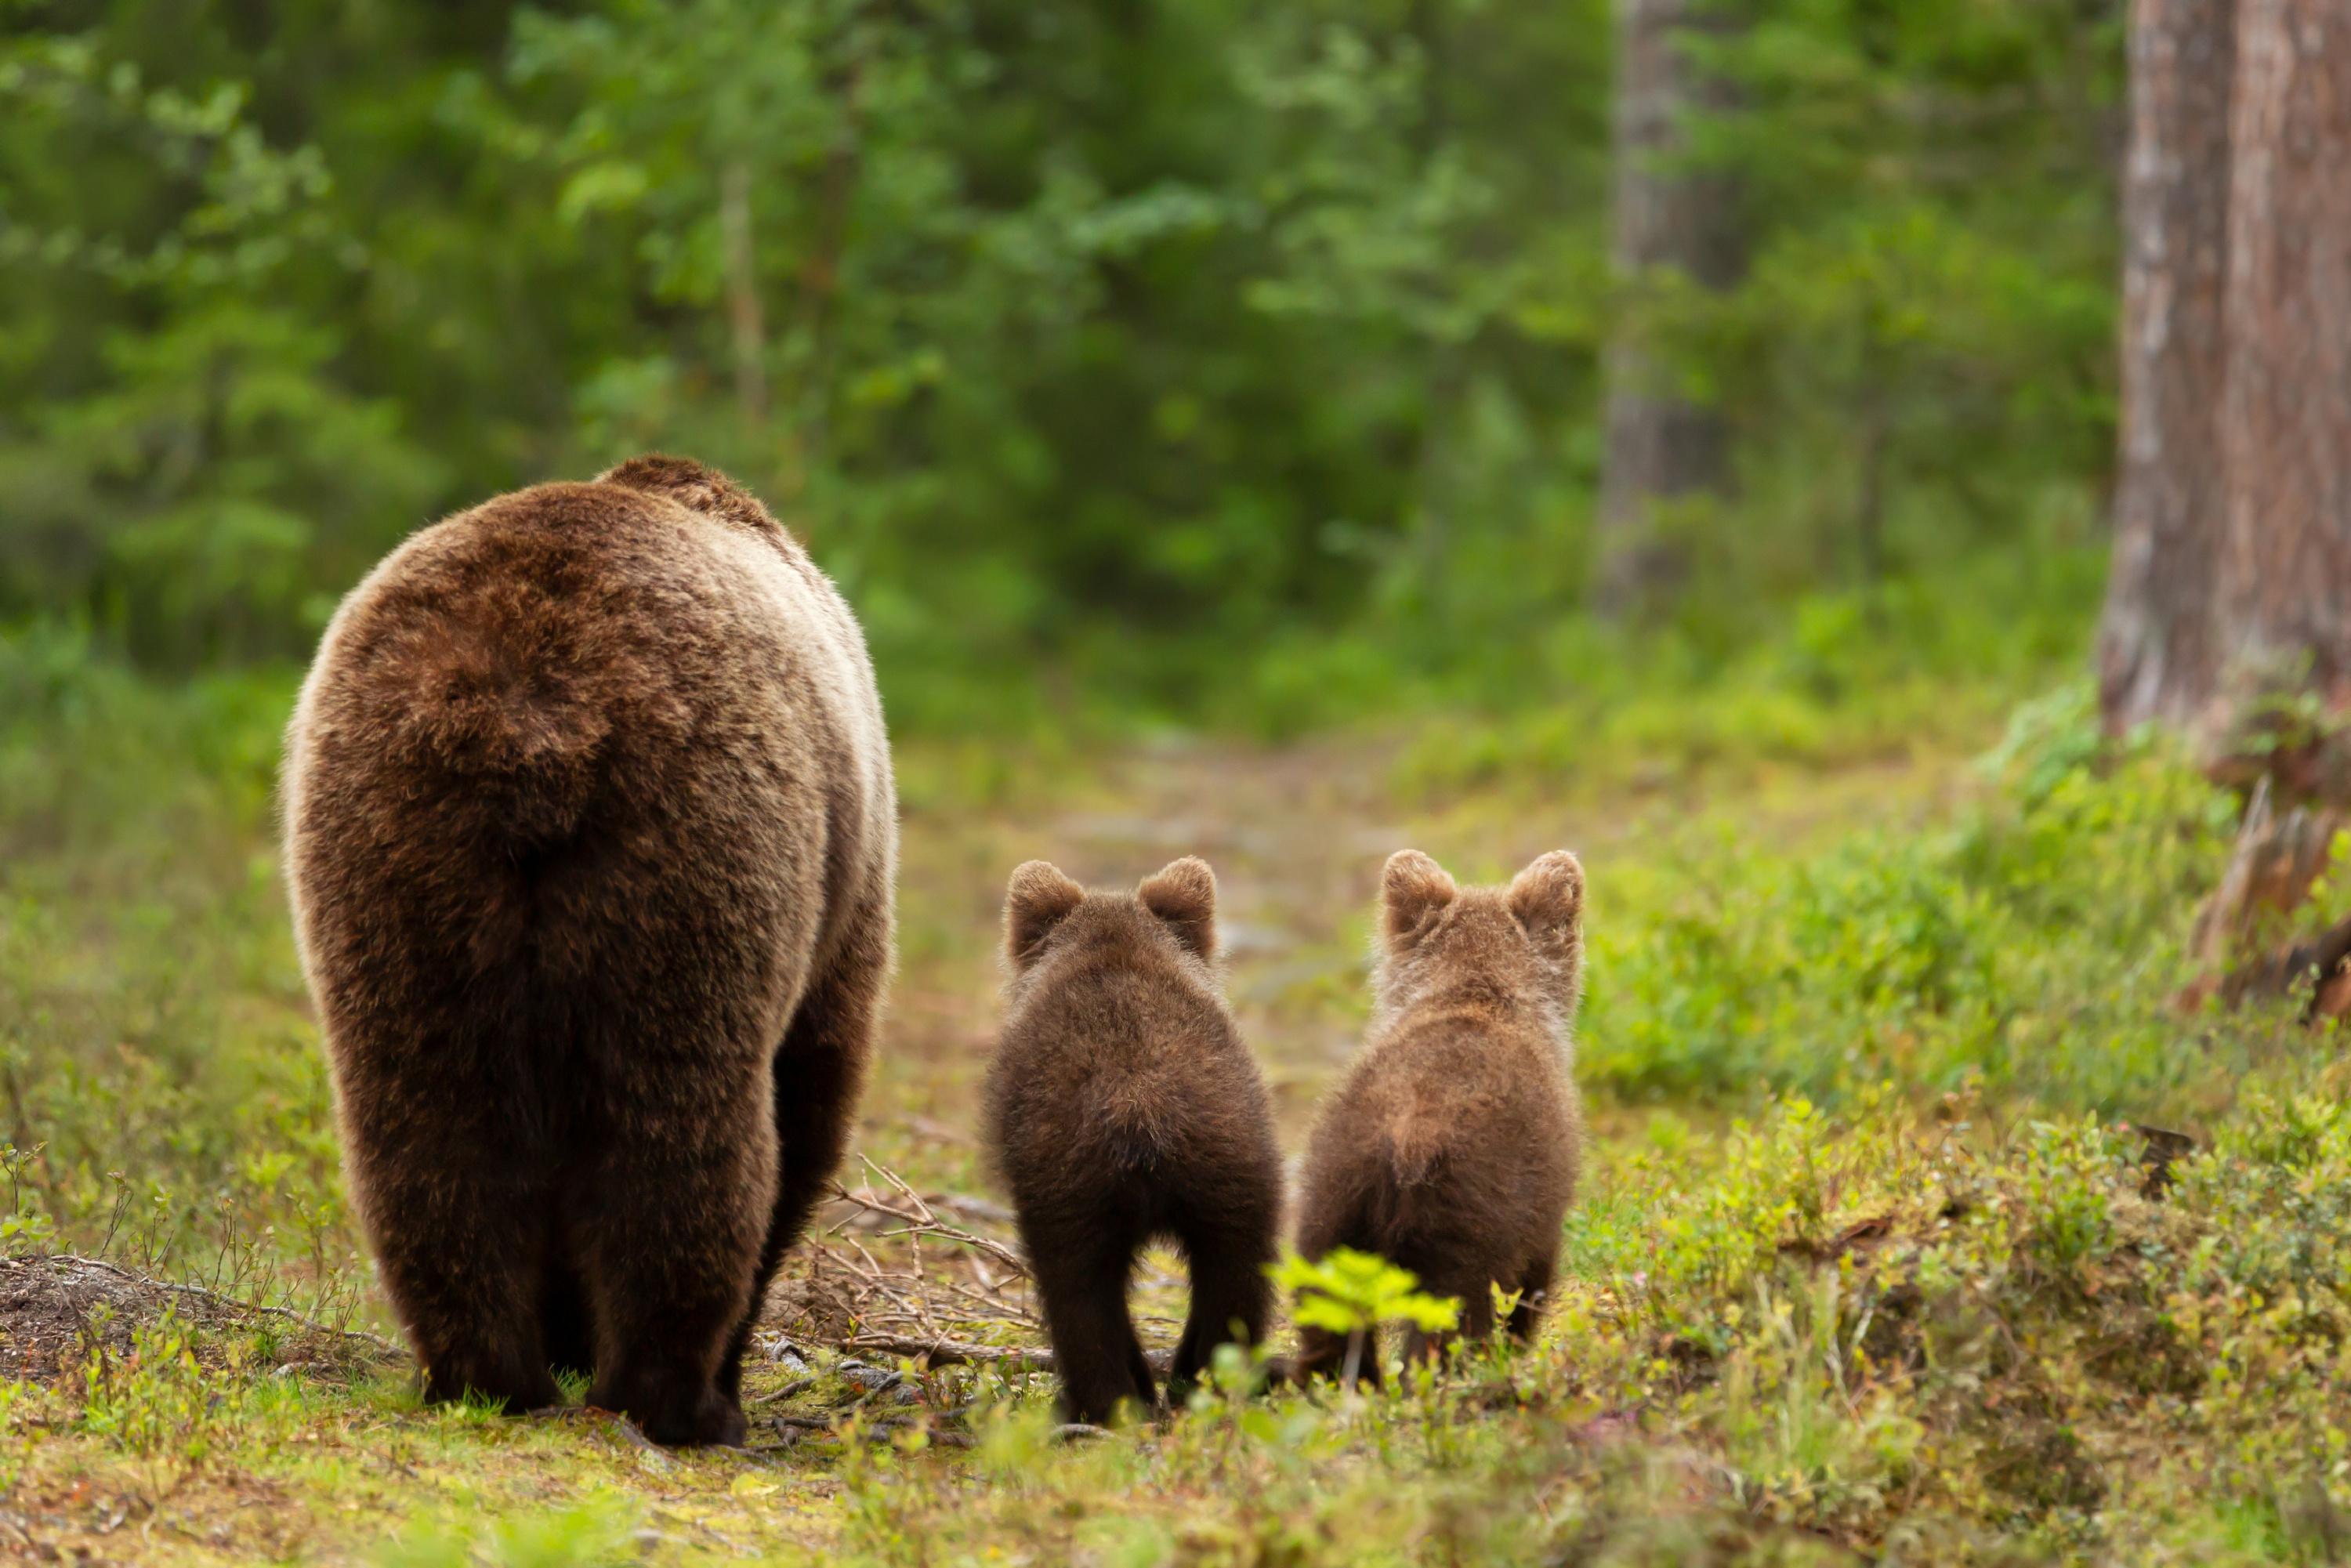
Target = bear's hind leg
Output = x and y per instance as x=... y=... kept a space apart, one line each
x=673 y=1214
x=819 y=1072
x=565 y=1329
x=459 y=1252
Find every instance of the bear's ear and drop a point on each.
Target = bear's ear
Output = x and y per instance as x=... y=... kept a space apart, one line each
x=696 y=486
x=1546 y=901
x=1039 y=898
x=1183 y=894
x=1413 y=890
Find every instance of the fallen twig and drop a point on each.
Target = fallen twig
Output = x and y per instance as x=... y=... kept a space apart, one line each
x=918 y=1218
x=945 y=1352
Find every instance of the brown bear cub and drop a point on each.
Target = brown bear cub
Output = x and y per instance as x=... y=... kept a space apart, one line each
x=592 y=837
x=1123 y=1106
x=1450 y=1148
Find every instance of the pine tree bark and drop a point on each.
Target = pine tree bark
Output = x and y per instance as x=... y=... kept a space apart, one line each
x=2284 y=589
x=1660 y=445
x=2156 y=645
x=747 y=320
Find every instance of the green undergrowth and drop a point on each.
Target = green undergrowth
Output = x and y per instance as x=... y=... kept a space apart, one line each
x=2027 y=942
x=1923 y=1338
x=1800 y=1338
x=1907 y=670
x=1876 y=1257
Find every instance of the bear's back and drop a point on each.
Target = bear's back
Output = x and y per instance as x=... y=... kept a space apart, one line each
x=585 y=741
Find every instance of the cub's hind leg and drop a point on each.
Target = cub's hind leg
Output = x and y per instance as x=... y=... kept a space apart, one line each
x=1232 y=1299
x=1083 y=1289
x=1334 y=1218
x=1473 y=1288
x=1534 y=1298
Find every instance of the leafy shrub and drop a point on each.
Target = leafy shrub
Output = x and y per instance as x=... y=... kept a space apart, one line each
x=156 y=1401
x=1353 y=1293
x=2035 y=945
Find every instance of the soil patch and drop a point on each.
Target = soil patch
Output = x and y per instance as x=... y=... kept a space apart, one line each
x=51 y=1305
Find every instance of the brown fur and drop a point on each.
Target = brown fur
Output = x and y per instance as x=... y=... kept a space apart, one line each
x=1451 y=1146
x=1123 y=1106
x=592 y=838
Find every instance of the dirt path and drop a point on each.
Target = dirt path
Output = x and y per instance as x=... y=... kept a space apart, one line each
x=1297 y=836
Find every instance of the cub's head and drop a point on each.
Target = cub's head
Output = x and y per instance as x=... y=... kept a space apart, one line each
x=695 y=487
x=1171 y=914
x=1523 y=940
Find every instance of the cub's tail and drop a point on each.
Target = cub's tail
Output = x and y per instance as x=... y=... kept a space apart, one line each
x=1139 y=1113
x=1414 y=1147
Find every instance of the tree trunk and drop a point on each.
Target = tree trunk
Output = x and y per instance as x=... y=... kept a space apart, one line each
x=747 y=320
x=2156 y=645
x=1660 y=445
x=2277 y=668
x=2284 y=583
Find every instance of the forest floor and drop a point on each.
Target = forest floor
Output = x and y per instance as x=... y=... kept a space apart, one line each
x=1869 y=1264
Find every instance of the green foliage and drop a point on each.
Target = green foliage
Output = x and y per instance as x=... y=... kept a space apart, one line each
x=154 y=1400
x=152 y=1022
x=1348 y=1292
x=593 y=1535
x=1223 y=364
x=1833 y=678
x=1921 y=351
x=2012 y=948
x=21 y=1404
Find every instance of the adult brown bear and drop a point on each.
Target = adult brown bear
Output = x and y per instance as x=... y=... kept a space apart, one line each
x=592 y=837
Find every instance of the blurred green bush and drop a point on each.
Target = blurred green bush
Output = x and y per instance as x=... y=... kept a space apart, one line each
x=1211 y=362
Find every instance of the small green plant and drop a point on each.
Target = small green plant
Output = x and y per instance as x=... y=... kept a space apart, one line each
x=22 y=1405
x=1353 y=1293
x=155 y=1400
x=25 y=1226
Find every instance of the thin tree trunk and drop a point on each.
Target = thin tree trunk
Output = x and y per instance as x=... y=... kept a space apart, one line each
x=2286 y=570
x=1445 y=364
x=2156 y=645
x=746 y=318
x=1660 y=445
x=1869 y=511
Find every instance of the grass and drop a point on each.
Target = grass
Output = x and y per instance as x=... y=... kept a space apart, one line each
x=1873 y=1261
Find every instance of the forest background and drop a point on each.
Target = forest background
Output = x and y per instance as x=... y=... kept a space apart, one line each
x=1212 y=365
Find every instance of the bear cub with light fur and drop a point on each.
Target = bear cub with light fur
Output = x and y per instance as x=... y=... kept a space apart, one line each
x=1451 y=1145
x=1123 y=1106
x=591 y=836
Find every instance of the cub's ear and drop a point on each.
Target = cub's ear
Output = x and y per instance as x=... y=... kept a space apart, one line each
x=1546 y=901
x=1035 y=902
x=1412 y=889
x=1183 y=894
